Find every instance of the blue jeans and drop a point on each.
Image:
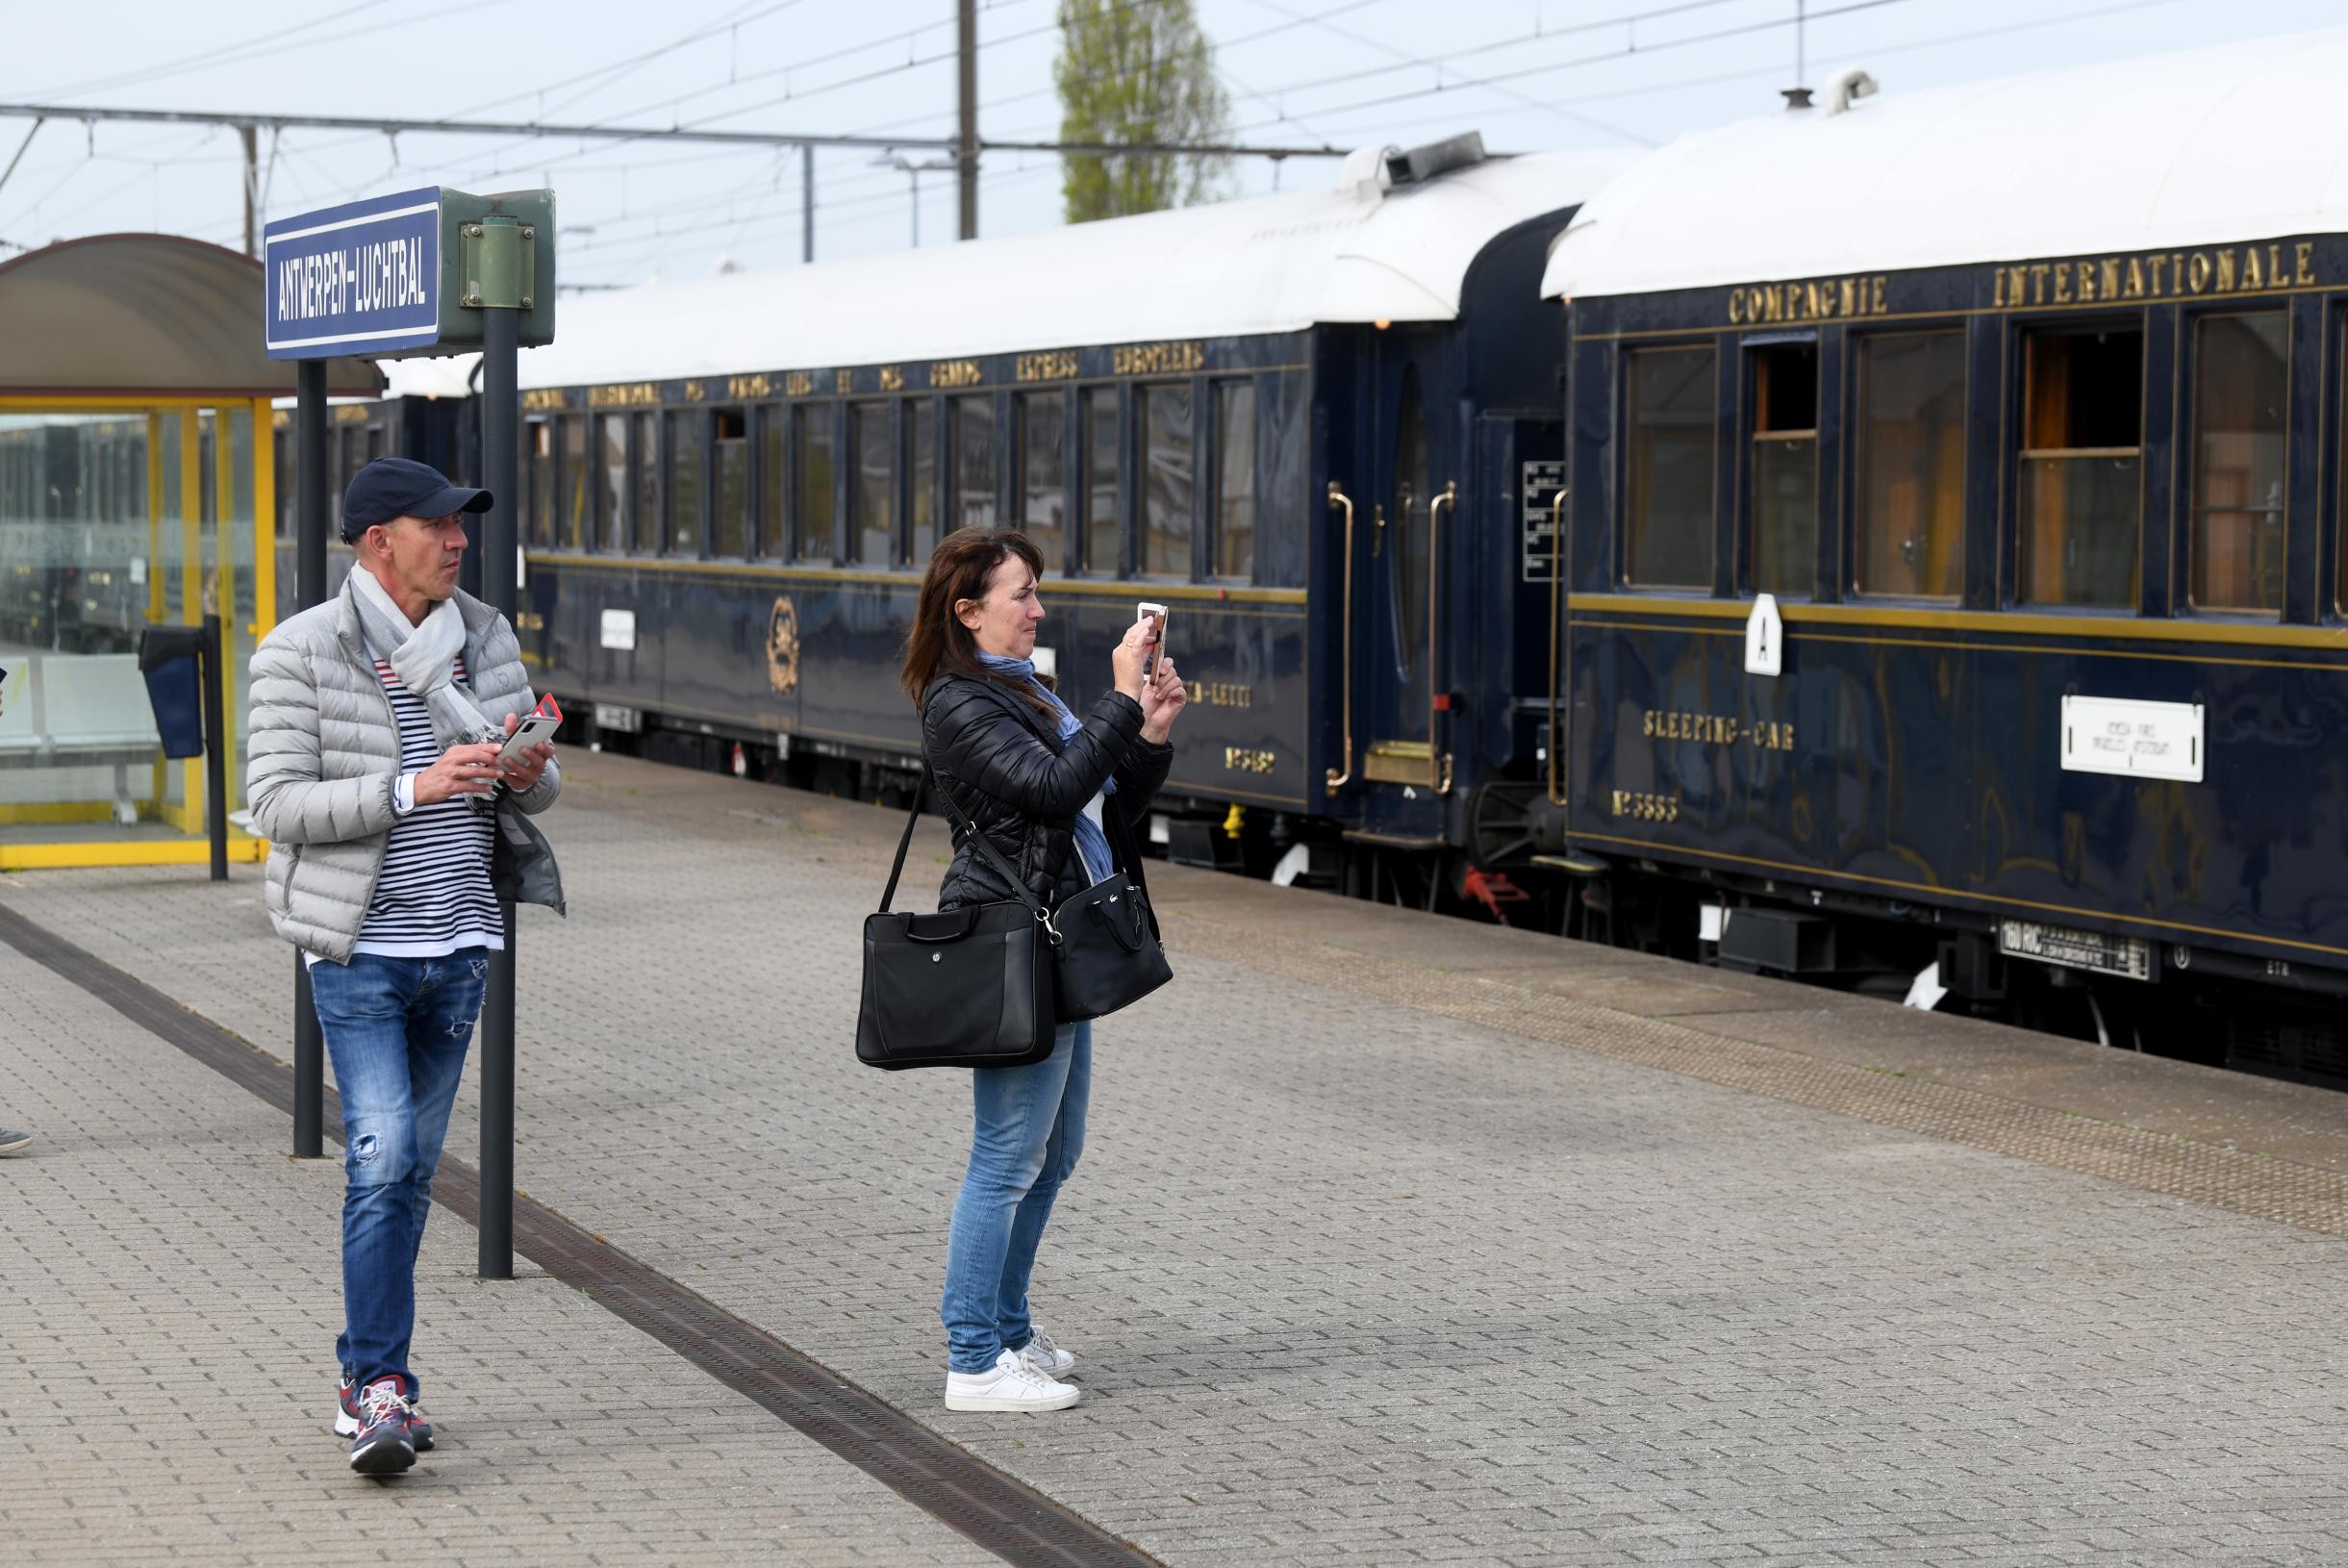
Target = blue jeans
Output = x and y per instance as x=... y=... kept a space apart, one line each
x=397 y=1029
x=1028 y=1130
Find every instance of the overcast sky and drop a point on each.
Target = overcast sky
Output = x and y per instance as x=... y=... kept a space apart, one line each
x=1531 y=74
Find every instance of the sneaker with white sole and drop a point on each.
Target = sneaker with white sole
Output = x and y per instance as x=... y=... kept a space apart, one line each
x=346 y=1416
x=384 y=1445
x=1047 y=1355
x=1013 y=1385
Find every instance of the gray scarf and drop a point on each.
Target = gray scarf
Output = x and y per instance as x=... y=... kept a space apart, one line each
x=424 y=657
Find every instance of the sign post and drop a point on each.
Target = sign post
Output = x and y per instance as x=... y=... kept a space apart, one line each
x=432 y=270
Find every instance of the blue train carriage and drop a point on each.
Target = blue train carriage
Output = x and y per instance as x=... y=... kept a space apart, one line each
x=734 y=483
x=1955 y=575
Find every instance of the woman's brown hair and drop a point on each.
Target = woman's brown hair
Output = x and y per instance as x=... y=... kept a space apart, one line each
x=940 y=644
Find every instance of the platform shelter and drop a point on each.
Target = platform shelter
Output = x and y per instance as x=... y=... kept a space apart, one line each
x=136 y=487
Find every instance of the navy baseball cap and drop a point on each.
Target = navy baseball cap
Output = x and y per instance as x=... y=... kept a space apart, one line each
x=400 y=487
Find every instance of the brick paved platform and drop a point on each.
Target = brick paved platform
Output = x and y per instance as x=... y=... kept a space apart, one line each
x=1397 y=1240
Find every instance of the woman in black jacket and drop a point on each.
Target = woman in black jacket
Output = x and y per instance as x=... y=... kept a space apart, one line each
x=1037 y=780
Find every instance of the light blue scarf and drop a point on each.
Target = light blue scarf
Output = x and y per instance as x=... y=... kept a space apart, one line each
x=1091 y=841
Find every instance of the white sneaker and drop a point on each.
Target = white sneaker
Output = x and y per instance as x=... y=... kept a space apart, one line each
x=1047 y=1355
x=1015 y=1384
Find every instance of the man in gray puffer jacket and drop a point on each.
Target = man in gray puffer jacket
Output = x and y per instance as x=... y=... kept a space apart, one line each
x=395 y=822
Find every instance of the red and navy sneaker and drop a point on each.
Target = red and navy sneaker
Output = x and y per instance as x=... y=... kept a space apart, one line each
x=383 y=1446
x=346 y=1422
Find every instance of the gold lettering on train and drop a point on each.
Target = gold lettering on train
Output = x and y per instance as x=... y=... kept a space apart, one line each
x=1059 y=366
x=892 y=378
x=2157 y=275
x=1244 y=759
x=1717 y=729
x=1219 y=693
x=798 y=383
x=629 y=394
x=1818 y=299
x=350 y=414
x=748 y=386
x=539 y=399
x=1158 y=358
x=954 y=373
x=844 y=381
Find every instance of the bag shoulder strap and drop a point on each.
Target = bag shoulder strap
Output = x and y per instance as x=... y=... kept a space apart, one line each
x=969 y=830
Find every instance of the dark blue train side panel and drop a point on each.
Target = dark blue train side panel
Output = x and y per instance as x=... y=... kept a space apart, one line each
x=1915 y=751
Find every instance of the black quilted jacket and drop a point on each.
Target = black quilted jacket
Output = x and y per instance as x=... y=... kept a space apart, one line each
x=1023 y=787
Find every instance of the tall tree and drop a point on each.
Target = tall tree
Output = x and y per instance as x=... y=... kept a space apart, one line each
x=1137 y=71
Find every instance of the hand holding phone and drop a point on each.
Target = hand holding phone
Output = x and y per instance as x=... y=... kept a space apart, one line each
x=1155 y=613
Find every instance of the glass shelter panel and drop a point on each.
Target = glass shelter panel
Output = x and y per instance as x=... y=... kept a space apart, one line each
x=2241 y=387
x=111 y=523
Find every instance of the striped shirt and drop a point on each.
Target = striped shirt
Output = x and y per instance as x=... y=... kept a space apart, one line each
x=434 y=894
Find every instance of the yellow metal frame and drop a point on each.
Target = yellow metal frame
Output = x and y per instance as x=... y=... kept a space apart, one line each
x=188 y=816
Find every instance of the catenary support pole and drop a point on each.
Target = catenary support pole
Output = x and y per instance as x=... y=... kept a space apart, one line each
x=250 y=135
x=310 y=589
x=965 y=151
x=807 y=202
x=501 y=413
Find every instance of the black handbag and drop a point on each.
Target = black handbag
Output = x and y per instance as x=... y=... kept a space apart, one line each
x=970 y=987
x=1109 y=955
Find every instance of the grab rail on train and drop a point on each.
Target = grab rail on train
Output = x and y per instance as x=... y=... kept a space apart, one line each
x=1438 y=700
x=1556 y=604
x=1338 y=779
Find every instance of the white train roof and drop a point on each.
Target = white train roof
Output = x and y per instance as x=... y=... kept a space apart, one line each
x=1272 y=263
x=2231 y=142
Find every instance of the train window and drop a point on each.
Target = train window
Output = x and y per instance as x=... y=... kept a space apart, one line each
x=1169 y=465
x=647 y=484
x=811 y=459
x=576 y=525
x=773 y=431
x=2241 y=386
x=611 y=485
x=685 y=475
x=1669 y=398
x=730 y=523
x=974 y=462
x=924 y=438
x=1784 y=557
x=1911 y=464
x=540 y=444
x=1234 y=550
x=375 y=441
x=875 y=517
x=2083 y=467
x=1042 y=467
x=1101 y=480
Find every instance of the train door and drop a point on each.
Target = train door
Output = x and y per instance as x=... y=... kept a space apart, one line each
x=1401 y=633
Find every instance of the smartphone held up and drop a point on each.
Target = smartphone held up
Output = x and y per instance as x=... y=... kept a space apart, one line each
x=1156 y=615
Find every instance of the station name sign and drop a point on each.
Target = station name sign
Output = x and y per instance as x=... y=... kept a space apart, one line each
x=408 y=273
x=362 y=278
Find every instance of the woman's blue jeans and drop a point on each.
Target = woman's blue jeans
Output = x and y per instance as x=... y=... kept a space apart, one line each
x=1028 y=1130
x=397 y=1029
